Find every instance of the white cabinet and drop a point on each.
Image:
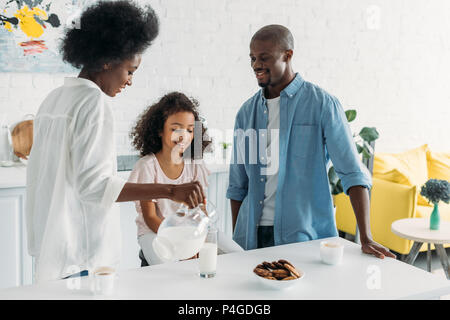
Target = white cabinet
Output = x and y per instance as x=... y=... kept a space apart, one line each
x=15 y=263
x=130 y=247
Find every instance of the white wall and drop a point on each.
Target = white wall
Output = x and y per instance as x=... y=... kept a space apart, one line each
x=387 y=59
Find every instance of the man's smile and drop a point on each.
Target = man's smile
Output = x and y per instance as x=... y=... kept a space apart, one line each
x=260 y=74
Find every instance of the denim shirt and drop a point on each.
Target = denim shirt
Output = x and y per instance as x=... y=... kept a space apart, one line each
x=313 y=130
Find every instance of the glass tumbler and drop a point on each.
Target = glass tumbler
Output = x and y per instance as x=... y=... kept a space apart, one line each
x=207 y=257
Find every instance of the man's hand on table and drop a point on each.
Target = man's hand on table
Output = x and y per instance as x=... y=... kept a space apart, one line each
x=371 y=247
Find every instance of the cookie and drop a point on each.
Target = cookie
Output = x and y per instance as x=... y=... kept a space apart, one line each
x=281 y=273
x=268 y=265
x=282 y=261
x=280 y=270
x=262 y=272
x=292 y=270
x=278 y=265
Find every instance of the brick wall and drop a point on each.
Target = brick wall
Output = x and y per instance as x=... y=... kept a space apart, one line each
x=387 y=59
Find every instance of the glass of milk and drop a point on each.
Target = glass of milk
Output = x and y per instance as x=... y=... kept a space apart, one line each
x=207 y=257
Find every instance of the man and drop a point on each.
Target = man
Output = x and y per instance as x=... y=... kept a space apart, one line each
x=294 y=127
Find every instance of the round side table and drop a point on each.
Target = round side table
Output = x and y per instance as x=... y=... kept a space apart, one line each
x=419 y=231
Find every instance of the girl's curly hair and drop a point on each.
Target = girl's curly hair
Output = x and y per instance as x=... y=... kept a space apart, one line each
x=109 y=32
x=145 y=135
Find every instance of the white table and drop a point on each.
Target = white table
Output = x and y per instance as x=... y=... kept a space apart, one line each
x=360 y=276
x=419 y=231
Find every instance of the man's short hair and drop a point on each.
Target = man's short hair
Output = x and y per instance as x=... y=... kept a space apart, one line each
x=278 y=34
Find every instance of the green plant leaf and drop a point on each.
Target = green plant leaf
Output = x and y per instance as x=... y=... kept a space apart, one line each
x=369 y=134
x=368 y=147
x=359 y=148
x=338 y=189
x=366 y=153
x=225 y=145
x=332 y=176
x=351 y=115
x=335 y=182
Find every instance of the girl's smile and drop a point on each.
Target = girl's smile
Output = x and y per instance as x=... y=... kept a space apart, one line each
x=178 y=133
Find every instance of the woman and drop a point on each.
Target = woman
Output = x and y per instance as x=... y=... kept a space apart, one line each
x=72 y=218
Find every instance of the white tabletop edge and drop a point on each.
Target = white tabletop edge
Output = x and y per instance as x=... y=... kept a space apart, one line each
x=345 y=282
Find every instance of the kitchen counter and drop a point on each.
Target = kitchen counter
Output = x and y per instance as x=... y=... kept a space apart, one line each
x=360 y=276
x=15 y=176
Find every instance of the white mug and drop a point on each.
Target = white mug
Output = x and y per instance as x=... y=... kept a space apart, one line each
x=102 y=281
x=331 y=252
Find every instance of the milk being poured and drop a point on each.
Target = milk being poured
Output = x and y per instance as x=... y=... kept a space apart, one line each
x=185 y=240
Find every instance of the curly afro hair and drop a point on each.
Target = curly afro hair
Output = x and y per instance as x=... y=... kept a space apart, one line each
x=145 y=135
x=109 y=32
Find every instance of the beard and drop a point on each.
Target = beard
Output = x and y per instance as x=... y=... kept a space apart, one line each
x=263 y=84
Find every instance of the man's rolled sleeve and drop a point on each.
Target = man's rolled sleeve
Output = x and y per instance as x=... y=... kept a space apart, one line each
x=356 y=179
x=341 y=147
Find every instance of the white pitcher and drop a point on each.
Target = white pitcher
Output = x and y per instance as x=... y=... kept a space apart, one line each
x=182 y=234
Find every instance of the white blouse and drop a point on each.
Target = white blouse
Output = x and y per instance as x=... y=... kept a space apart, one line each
x=72 y=219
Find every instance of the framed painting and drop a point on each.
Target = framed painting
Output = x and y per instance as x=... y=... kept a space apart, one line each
x=31 y=31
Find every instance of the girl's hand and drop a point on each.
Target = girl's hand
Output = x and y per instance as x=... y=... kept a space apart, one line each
x=18 y=154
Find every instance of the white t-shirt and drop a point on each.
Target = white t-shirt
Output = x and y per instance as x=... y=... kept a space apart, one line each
x=72 y=219
x=273 y=123
x=148 y=170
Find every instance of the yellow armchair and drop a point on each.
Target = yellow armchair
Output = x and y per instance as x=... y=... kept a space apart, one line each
x=395 y=194
x=390 y=201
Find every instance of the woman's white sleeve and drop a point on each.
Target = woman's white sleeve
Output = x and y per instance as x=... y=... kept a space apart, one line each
x=93 y=156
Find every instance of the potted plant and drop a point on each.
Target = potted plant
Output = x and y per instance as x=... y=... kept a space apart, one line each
x=225 y=148
x=362 y=141
x=435 y=190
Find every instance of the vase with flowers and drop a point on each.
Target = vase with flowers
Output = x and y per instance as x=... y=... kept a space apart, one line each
x=435 y=190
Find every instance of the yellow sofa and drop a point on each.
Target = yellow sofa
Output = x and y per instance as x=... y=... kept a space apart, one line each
x=395 y=195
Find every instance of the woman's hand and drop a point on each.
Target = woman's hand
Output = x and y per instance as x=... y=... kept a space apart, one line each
x=189 y=193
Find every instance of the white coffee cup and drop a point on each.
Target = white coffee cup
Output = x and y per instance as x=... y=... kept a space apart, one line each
x=103 y=280
x=331 y=252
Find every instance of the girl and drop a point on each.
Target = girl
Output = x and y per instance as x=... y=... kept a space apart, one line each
x=164 y=134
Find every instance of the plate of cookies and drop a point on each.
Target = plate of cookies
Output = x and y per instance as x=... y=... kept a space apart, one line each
x=279 y=274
